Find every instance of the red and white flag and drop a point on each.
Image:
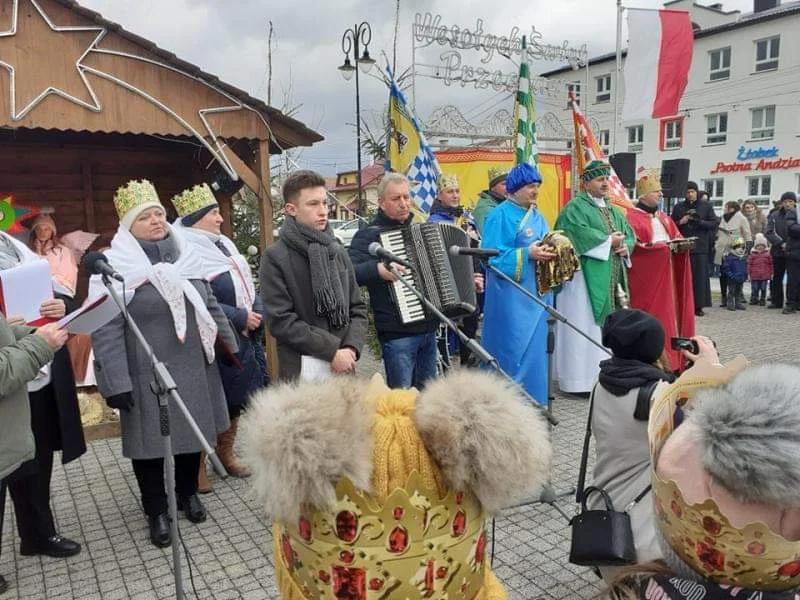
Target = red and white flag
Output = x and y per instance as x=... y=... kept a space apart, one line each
x=658 y=61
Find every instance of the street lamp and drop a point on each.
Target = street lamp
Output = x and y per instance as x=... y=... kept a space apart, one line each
x=359 y=35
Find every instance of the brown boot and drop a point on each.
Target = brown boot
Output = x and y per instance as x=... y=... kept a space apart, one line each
x=225 y=441
x=203 y=484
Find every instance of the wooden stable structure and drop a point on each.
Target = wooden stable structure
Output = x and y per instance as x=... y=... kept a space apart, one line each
x=86 y=106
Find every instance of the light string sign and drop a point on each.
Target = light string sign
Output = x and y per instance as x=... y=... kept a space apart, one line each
x=428 y=30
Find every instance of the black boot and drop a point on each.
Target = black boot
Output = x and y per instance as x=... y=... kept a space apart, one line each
x=193 y=508
x=159 y=530
x=724 y=301
x=753 y=301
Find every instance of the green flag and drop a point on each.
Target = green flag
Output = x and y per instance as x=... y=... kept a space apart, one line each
x=525 y=115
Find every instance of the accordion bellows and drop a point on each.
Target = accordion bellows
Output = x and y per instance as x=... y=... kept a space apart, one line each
x=410 y=533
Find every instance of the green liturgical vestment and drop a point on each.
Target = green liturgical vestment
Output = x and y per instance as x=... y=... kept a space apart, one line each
x=588 y=225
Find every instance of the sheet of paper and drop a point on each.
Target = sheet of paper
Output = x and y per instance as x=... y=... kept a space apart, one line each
x=90 y=316
x=314 y=369
x=25 y=288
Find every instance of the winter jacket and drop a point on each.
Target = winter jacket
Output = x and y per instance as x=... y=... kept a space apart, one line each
x=759 y=265
x=21 y=357
x=292 y=317
x=777 y=232
x=387 y=315
x=793 y=233
x=736 y=227
x=734 y=268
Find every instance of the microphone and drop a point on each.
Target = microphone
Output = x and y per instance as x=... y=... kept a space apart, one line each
x=479 y=252
x=97 y=264
x=375 y=249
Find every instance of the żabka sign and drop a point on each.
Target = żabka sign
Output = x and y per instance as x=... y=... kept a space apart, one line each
x=745 y=158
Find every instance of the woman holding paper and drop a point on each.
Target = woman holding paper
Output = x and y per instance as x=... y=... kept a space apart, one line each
x=44 y=242
x=176 y=311
x=56 y=425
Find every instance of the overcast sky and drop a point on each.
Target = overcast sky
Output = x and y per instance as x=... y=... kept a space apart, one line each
x=228 y=38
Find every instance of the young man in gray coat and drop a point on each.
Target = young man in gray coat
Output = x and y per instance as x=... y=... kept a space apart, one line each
x=23 y=351
x=312 y=302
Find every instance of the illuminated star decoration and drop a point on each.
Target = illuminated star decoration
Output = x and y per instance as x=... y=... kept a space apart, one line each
x=17 y=115
x=11 y=215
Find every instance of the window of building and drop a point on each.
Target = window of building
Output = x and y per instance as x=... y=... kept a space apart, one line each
x=763 y=119
x=716 y=190
x=604 y=140
x=767 y=52
x=671 y=135
x=603 y=84
x=575 y=88
x=635 y=138
x=717 y=128
x=759 y=188
x=720 y=64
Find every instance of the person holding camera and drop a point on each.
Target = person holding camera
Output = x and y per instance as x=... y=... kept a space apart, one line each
x=696 y=218
x=24 y=351
x=621 y=399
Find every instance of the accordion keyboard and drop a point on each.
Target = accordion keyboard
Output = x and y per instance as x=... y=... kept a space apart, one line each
x=410 y=307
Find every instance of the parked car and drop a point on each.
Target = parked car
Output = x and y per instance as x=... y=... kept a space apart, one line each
x=345 y=231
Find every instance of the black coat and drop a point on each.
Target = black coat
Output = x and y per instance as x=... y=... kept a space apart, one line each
x=387 y=315
x=778 y=230
x=702 y=224
x=793 y=233
x=239 y=380
x=285 y=279
x=64 y=429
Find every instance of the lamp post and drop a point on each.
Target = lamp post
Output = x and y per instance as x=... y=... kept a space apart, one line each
x=351 y=40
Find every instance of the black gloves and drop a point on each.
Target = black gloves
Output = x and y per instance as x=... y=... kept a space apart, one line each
x=123 y=401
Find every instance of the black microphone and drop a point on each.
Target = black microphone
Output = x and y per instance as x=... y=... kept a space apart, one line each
x=378 y=251
x=479 y=252
x=97 y=264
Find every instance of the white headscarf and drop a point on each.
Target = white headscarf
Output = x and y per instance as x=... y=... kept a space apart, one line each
x=215 y=262
x=171 y=281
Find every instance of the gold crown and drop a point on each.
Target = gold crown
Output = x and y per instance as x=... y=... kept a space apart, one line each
x=193 y=199
x=413 y=545
x=753 y=556
x=496 y=173
x=447 y=180
x=133 y=194
x=648 y=180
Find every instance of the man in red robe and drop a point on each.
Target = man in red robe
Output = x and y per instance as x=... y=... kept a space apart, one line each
x=660 y=277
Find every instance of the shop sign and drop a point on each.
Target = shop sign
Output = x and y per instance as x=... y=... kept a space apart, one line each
x=756 y=159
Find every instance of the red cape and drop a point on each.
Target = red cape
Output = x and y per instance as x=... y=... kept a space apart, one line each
x=660 y=281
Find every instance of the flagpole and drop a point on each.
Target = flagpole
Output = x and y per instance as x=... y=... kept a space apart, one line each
x=616 y=78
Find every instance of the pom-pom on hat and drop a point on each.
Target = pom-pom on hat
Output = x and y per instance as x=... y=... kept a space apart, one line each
x=379 y=493
x=133 y=198
x=633 y=334
x=521 y=175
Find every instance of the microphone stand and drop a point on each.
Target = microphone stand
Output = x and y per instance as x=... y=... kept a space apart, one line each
x=164 y=387
x=469 y=342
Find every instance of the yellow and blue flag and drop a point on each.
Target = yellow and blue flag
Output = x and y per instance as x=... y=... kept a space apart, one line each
x=407 y=151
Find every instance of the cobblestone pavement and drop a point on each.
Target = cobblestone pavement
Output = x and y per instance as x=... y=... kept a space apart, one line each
x=96 y=502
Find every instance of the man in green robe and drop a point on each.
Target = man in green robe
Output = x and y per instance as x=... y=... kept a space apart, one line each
x=603 y=241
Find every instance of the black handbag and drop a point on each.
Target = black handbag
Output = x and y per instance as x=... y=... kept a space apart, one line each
x=601 y=537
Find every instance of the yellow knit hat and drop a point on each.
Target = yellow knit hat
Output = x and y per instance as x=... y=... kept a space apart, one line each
x=406 y=531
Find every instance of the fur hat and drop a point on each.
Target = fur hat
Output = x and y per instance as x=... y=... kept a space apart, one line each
x=389 y=490
x=727 y=480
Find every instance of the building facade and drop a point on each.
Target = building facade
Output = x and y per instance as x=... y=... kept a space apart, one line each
x=739 y=119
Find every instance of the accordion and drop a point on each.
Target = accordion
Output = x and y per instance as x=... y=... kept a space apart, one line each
x=443 y=279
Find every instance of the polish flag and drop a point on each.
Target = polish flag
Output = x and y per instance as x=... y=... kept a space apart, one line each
x=657 y=65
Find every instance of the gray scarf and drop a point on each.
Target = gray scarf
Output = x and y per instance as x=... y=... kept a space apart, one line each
x=326 y=262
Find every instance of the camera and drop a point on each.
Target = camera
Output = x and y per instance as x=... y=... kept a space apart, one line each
x=679 y=343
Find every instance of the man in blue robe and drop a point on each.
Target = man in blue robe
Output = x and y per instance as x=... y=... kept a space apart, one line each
x=515 y=326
